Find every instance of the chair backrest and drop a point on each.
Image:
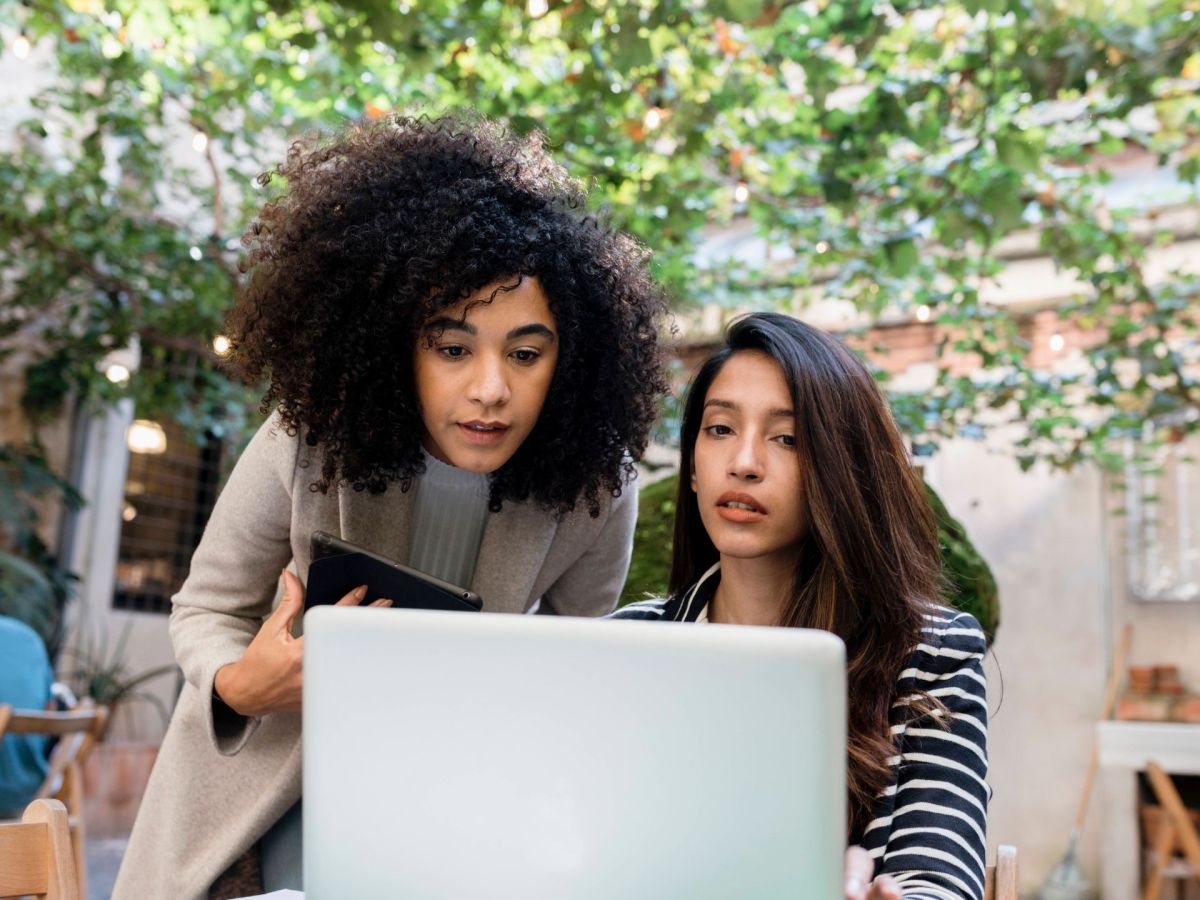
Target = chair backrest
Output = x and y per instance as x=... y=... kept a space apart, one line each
x=1000 y=882
x=77 y=729
x=1186 y=835
x=35 y=854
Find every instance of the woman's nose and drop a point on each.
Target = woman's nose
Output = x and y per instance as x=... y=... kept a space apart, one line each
x=746 y=463
x=489 y=386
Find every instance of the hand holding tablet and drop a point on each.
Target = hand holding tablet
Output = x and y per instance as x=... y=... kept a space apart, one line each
x=268 y=677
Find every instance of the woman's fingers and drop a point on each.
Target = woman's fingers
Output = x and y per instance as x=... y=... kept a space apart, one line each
x=353 y=598
x=291 y=605
x=859 y=869
x=381 y=603
x=884 y=888
x=859 y=885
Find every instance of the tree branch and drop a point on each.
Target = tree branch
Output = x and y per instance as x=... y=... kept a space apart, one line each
x=81 y=264
x=218 y=207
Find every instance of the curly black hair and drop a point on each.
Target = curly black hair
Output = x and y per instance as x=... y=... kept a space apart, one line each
x=388 y=222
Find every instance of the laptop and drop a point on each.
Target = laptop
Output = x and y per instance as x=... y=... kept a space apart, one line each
x=504 y=757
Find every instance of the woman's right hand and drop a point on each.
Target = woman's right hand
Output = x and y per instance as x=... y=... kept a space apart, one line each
x=859 y=884
x=269 y=678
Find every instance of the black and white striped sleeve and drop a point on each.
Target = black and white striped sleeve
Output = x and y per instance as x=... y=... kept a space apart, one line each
x=930 y=826
x=650 y=608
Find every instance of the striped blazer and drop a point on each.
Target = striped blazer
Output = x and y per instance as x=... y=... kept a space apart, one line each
x=929 y=826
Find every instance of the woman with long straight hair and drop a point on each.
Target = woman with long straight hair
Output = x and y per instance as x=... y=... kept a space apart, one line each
x=798 y=507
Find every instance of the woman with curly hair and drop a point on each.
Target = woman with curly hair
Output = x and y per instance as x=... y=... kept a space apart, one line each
x=464 y=366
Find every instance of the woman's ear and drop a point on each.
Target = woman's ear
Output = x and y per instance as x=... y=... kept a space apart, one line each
x=694 y=483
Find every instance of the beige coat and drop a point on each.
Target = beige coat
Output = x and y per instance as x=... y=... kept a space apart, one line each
x=219 y=785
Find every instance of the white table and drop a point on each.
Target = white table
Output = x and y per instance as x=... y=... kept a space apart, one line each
x=1125 y=748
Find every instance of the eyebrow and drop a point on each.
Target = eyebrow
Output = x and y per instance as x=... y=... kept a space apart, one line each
x=778 y=413
x=445 y=323
x=534 y=329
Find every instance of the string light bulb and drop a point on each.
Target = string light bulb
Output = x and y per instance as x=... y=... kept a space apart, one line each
x=1057 y=342
x=200 y=142
x=21 y=46
x=537 y=8
x=741 y=193
x=117 y=373
x=222 y=345
x=923 y=313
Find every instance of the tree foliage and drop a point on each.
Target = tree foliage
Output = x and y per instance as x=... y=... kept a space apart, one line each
x=34 y=586
x=884 y=151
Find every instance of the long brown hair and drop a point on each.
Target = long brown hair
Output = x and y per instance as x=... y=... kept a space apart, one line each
x=870 y=567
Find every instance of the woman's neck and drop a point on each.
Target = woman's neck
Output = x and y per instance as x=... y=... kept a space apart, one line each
x=752 y=591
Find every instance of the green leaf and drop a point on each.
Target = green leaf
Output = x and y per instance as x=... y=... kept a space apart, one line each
x=1015 y=151
x=1002 y=201
x=990 y=6
x=741 y=11
x=902 y=256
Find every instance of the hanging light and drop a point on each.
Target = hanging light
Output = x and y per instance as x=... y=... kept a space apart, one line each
x=741 y=193
x=537 y=8
x=923 y=313
x=200 y=142
x=21 y=46
x=145 y=436
x=222 y=345
x=1057 y=342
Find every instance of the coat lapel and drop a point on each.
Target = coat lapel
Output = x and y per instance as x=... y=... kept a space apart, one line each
x=515 y=543
x=514 y=546
x=378 y=522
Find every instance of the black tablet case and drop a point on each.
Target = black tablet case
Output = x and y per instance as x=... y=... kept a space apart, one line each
x=336 y=572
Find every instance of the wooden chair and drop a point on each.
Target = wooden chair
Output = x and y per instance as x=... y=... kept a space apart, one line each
x=1000 y=880
x=1177 y=832
x=77 y=730
x=35 y=854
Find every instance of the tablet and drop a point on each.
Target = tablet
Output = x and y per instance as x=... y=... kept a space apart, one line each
x=338 y=567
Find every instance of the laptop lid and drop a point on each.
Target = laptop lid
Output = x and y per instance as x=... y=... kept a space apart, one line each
x=452 y=757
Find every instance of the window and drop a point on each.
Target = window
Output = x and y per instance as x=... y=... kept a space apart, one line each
x=170 y=490
x=1162 y=515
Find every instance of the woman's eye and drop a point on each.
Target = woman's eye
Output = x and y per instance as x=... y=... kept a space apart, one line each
x=452 y=351
x=525 y=356
x=718 y=430
x=787 y=440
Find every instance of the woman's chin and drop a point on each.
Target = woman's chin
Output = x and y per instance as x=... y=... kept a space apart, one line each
x=743 y=549
x=477 y=459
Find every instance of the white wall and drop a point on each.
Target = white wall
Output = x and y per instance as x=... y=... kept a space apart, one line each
x=1043 y=536
x=1058 y=555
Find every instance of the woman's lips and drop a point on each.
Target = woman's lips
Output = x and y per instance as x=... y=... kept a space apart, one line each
x=740 y=508
x=482 y=434
x=739 y=515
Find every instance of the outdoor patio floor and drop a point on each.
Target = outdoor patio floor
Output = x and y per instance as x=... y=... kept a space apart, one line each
x=103 y=860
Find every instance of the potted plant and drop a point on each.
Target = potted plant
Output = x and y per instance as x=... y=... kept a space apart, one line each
x=34 y=588
x=116 y=772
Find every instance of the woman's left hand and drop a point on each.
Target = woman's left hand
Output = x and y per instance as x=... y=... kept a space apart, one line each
x=859 y=884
